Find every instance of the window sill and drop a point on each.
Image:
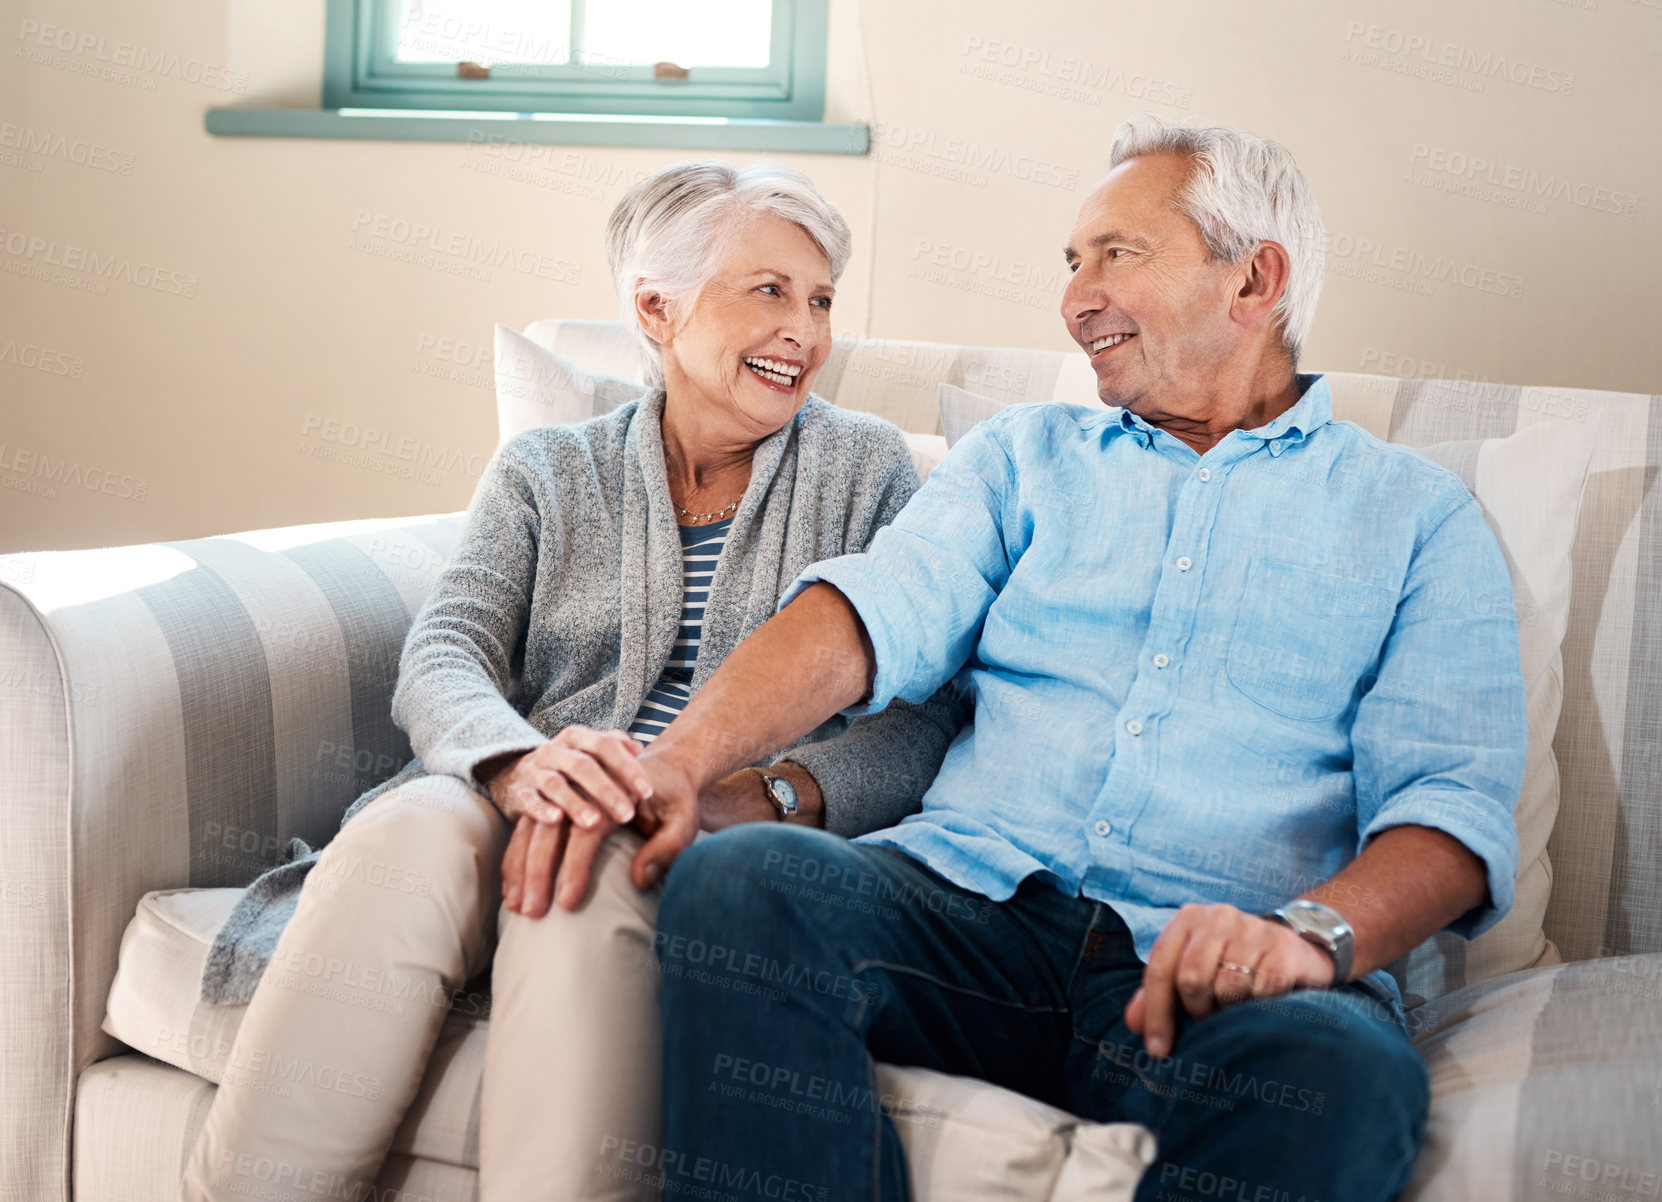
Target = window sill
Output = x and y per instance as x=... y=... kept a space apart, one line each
x=558 y=129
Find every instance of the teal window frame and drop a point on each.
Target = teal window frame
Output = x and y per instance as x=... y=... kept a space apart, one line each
x=360 y=72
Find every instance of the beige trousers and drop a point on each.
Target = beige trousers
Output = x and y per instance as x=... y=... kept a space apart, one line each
x=400 y=910
x=572 y=1105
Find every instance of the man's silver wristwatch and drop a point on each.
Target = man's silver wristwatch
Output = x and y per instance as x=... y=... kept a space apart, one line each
x=780 y=792
x=1326 y=928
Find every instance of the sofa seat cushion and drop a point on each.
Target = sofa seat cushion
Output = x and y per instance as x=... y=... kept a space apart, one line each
x=154 y=1004
x=1545 y=1083
x=136 y=1121
x=154 y=1008
x=1517 y=1064
x=965 y=1140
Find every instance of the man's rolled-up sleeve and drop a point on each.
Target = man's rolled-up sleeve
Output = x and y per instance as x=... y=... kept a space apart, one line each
x=1440 y=739
x=924 y=585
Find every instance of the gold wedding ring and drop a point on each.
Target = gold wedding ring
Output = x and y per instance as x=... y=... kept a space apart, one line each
x=1245 y=970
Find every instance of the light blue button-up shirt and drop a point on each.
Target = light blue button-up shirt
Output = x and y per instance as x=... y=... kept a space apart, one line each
x=1196 y=678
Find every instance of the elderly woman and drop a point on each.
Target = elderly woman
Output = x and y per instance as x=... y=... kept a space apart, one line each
x=604 y=571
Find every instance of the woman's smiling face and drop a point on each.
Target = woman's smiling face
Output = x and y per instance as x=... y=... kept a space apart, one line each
x=756 y=335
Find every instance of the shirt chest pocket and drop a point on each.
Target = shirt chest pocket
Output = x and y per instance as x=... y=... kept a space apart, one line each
x=1303 y=640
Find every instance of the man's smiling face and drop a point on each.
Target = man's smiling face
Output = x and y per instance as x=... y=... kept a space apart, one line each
x=1144 y=301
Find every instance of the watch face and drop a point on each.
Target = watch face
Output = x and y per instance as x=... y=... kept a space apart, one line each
x=1317 y=919
x=786 y=790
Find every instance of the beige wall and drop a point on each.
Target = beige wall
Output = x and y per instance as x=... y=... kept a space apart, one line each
x=202 y=405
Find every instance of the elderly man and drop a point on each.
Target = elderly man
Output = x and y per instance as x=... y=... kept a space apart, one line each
x=1240 y=739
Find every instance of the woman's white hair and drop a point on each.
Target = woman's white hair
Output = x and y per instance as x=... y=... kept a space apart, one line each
x=1244 y=190
x=670 y=231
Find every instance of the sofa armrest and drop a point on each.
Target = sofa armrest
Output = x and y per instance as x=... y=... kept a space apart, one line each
x=170 y=715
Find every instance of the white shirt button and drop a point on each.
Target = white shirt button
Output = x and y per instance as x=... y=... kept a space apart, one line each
x=1205 y=474
x=1134 y=726
x=1184 y=563
x=1103 y=829
x=1160 y=660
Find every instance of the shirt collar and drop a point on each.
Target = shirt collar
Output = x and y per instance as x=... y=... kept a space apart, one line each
x=1314 y=408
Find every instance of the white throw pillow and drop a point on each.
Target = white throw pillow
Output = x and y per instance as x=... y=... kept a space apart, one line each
x=927 y=450
x=535 y=388
x=1529 y=486
x=962 y=409
x=968 y=1141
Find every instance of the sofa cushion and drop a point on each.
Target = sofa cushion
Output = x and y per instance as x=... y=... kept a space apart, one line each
x=1544 y=1084
x=136 y=1122
x=891 y=377
x=927 y=450
x=155 y=1005
x=154 y=1008
x=965 y=1140
x=1530 y=487
x=536 y=387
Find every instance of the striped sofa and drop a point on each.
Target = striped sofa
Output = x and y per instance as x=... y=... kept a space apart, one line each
x=176 y=712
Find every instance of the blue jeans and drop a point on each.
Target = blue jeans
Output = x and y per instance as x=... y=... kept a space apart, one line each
x=793 y=961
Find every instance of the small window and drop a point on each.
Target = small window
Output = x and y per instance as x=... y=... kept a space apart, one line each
x=664 y=58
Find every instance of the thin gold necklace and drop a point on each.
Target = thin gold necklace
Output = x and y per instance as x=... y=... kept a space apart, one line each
x=700 y=518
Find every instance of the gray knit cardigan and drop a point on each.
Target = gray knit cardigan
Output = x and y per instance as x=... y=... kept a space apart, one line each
x=562 y=602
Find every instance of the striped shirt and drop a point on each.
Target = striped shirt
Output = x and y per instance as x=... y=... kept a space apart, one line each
x=700 y=548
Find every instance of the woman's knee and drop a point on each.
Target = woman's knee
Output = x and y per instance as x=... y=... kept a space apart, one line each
x=615 y=911
x=427 y=836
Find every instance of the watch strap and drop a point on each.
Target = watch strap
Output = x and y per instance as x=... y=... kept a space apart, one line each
x=782 y=809
x=1342 y=950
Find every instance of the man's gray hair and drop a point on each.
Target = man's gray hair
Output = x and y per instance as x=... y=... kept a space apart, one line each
x=1244 y=190
x=670 y=231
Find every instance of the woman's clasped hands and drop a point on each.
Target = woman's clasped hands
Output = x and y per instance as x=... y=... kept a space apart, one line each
x=565 y=798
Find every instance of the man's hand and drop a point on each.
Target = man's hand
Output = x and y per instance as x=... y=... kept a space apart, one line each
x=1213 y=956
x=669 y=818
